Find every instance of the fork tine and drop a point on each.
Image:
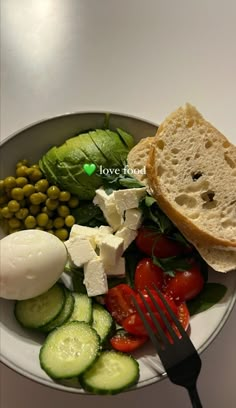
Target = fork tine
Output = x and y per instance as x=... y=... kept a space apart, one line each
x=172 y=314
x=147 y=327
x=155 y=321
x=163 y=316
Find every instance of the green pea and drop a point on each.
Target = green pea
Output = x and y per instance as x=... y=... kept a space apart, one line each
x=14 y=223
x=73 y=202
x=28 y=189
x=35 y=166
x=49 y=225
x=64 y=196
x=10 y=182
x=63 y=211
x=53 y=192
x=22 y=213
x=36 y=198
x=2 y=187
x=30 y=222
x=47 y=211
x=50 y=231
x=35 y=175
x=62 y=234
x=21 y=181
x=3 y=199
x=13 y=205
x=42 y=219
x=69 y=221
x=43 y=196
x=17 y=193
x=52 y=204
x=20 y=163
x=41 y=186
x=58 y=222
x=22 y=171
x=6 y=213
x=34 y=209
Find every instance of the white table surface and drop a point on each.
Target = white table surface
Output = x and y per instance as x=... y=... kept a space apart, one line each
x=139 y=57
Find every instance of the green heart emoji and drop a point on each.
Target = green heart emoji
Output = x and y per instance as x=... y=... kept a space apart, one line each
x=89 y=168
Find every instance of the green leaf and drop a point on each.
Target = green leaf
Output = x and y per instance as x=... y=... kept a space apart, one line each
x=77 y=281
x=153 y=213
x=210 y=295
x=177 y=236
x=89 y=214
x=172 y=264
x=132 y=257
x=130 y=182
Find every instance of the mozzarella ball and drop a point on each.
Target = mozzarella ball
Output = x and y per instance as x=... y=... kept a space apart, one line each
x=31 y=262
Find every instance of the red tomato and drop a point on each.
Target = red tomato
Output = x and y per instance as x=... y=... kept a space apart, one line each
x=147 y=274
x=151 y=242
x=126 y=342
x=119 y=302
x=133 y=323
x=185 y=285
x=184 y=318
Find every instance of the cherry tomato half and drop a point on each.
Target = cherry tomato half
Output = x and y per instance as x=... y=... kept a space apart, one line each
x=126 y=342
x=119 y=302
x=185 y=285
x=151 y=242
x=133 y=323
x=147 y=274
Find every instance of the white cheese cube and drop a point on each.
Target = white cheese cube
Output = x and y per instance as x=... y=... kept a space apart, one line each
x=108 y=206
x=85 y=232
x=102 y=232
x=95 y=279
x=80 y=250
x=133 y=218
x=128 y=198
x=116 y=270
x=127 y=234
x=111 y=249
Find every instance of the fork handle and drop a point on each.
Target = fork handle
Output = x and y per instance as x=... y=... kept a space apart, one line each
x=193 y=394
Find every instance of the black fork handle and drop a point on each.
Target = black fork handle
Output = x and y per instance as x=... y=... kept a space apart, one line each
x=193 y=394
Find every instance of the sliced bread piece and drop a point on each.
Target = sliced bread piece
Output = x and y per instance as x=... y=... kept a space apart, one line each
x=137 y=158
x=219 y=259
x=191 y=170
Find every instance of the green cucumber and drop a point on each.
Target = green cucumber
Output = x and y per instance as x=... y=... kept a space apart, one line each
x=69 y=350
x=38 y=311
x=82 y=308
x=111 y=373
x=102 y=321
x=64 y=315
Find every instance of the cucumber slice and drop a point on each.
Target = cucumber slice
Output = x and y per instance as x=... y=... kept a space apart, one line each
x=102 y=321
x=82 y=308
x=69 y=350
x=111 y=373
x=37 y=312
x=64 y=315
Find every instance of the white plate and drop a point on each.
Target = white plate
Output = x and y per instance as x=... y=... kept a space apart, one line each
x=19 y=347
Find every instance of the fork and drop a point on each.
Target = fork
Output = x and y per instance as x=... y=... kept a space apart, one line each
x=177 y=353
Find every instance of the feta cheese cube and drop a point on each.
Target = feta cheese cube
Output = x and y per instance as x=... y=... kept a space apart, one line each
x=95 y=278
x=127 y=234
x=111 y=249
x=85 y=232
x=102 y=232
x=128 y=198
x=116 y=270
x=80 y=250
x=133 y=218
x=108 y=206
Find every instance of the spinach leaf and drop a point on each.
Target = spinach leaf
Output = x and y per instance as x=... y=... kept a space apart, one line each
x=132 y=257
x=210 y=295
x=172 y=264
x=89 y=214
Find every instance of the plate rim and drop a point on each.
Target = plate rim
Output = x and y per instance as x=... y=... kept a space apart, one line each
x=144 y=383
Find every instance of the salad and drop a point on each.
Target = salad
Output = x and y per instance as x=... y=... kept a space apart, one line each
x=114 y=242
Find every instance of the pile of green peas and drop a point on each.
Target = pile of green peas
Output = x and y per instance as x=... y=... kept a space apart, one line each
x=29 y=201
